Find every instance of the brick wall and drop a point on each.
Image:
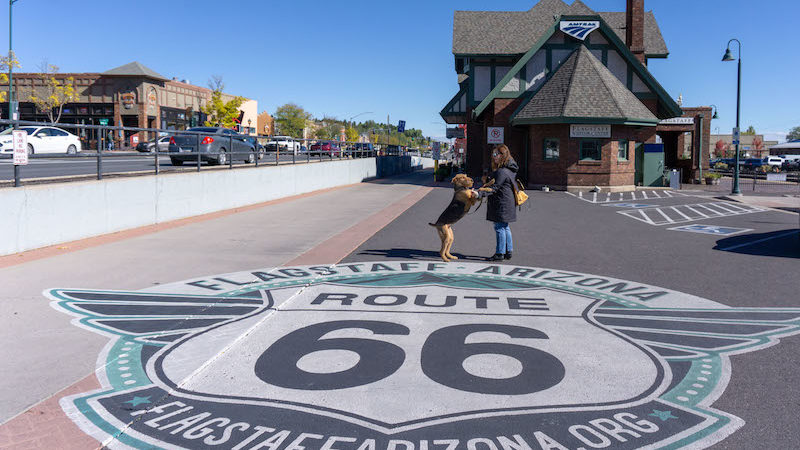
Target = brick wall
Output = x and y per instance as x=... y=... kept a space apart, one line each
x=568 y=172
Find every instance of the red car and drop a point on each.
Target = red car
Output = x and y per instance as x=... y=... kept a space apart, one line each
x=326 y=148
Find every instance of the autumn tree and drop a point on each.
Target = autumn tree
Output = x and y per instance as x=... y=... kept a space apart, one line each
x=5 y=63
x=291 y=120
x=351 y=134
x=220 y=112
x=54 y=94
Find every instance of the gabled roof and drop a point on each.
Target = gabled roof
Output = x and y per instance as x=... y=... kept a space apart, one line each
x=514 y=32
x=135 y=69
x=583 y=90
x=666 y=105
x=654 y=45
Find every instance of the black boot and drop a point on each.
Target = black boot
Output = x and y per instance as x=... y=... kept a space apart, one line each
x=496 y=257
x=508 y=255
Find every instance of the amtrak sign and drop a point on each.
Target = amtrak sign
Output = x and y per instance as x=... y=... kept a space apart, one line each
x=579 y=29
x=412 y=355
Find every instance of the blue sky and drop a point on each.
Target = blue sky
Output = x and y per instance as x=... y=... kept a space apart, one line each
x=347 y=57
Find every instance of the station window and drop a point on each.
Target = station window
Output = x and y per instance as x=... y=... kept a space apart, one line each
x=550 y=149
x=590 y=150
x=622 y=150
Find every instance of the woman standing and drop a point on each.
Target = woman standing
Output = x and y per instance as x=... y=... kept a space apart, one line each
x=501 y=208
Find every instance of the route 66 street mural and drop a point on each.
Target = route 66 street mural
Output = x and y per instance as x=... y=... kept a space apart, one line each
x=412 y=355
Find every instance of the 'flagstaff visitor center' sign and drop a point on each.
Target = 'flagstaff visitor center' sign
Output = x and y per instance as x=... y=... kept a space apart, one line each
x=409 y=355
x=590 y=131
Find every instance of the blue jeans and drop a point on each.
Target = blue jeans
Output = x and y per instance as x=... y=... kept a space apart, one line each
x=503 y=233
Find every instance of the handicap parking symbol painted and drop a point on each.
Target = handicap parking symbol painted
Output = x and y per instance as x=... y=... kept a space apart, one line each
x=711 y=229
x=630 y=205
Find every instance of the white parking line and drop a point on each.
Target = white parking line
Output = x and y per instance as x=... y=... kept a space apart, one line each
x=688 y=213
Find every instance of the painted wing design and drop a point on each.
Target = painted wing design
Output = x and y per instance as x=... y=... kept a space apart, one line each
x=153 y=318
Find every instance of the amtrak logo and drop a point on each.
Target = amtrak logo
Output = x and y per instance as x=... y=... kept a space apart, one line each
x=412 y=355
x=579 y=29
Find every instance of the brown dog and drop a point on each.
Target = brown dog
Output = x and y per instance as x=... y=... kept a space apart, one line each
x=464 y=198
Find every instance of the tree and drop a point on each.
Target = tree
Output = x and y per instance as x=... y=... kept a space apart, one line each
x=54 y=94
x=220 y=112
x=758 y=144
x=351 y=134
x=750 y=131
x=330 y=129
x=291 y=120
x=720 y=146
x=794 y=134
x=5 y=63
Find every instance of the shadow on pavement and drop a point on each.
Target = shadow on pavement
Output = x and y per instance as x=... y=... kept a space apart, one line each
x=782 y=243
x=407 y=253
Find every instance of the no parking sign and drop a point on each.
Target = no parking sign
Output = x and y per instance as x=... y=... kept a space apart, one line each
x=494 y=135
x=20 y=139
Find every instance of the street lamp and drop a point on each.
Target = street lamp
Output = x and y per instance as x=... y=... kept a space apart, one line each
x=715 y=116
x=728 y=57
x=11 y=108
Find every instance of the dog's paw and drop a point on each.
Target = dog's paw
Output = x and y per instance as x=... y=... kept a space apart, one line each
x=452 y=257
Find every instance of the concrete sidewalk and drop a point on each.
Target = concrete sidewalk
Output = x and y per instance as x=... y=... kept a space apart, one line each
x=47 y=353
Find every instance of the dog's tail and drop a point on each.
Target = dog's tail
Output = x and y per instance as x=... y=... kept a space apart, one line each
x=432 y=224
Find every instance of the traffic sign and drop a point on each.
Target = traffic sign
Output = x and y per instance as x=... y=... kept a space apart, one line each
x=494 y=135
x=20 y=139
x=401 y=126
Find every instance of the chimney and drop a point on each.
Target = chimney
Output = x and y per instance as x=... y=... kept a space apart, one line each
x=634 y=28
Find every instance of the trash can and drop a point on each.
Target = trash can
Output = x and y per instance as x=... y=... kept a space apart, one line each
x=674 y=179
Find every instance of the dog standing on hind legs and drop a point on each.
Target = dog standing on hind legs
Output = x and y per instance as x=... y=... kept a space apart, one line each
x=464 y=198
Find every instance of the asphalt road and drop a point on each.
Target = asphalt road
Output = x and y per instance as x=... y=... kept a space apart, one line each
x=757 y=267
x=86 y=164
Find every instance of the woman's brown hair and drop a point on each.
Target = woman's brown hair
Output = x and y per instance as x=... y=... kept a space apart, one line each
x=505 y=156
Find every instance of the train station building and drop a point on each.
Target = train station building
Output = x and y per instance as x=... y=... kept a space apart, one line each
x=131 y=95
x=568 y=90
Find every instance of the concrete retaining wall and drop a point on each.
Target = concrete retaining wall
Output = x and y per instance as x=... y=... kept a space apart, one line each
x=37 y=216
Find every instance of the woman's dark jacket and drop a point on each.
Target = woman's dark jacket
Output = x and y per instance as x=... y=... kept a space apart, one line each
x=501 y=206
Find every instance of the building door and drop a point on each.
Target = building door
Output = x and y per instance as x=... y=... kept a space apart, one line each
x=653 y=165
x=639 y=163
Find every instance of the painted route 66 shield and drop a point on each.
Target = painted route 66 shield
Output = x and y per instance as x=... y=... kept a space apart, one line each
x=412 y=355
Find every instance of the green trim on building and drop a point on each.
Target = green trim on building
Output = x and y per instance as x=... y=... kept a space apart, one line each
x=587 y=120
x=514 y=69
x=667 y=106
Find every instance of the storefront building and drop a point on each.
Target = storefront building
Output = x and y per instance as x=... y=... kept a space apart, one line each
x=131 y=96
x=568 y=90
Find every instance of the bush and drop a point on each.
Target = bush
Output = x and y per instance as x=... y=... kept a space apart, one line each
x=721 y=166
x=712 y=175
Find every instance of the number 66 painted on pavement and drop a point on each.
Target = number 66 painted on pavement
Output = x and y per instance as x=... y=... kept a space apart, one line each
x=443 y=354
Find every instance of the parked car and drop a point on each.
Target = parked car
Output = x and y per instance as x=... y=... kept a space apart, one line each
x=283 y=144
x=43 y=140
x=751 y=164
x=261 y=149
x=150 y=147
x=365 y=147
x=773 y=160
x=326 y=148
x=215 y=146
x=790 y=164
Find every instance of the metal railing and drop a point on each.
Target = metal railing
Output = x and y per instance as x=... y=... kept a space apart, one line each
x=756 y=180
x=218 y=148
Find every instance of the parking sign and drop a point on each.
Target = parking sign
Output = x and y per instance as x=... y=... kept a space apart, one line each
x=20 y=139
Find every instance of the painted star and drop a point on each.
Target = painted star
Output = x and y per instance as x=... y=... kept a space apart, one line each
x=138 y=400
x=663 y=415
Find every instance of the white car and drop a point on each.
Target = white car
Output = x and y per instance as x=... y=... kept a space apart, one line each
x=43 y=140
x=773 y=160
x=284 y=144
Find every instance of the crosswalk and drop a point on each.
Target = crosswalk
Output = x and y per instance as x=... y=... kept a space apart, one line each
x=609 y=197
x=665 y=215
